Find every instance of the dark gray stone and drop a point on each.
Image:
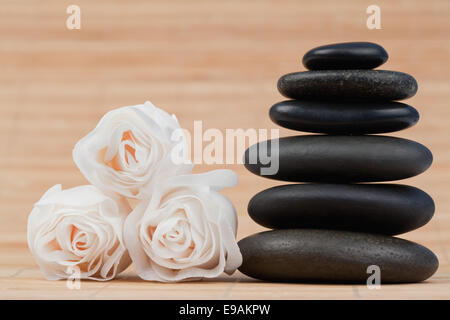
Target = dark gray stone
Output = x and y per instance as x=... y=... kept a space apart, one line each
x=343 y=117
x=308 y=255
x=349 y=55
x=374 y=208
x=348 y=84
x=342 y=159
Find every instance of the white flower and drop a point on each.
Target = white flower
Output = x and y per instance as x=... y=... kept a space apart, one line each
x=129 y=146
x=78 y=228
x=186 y=230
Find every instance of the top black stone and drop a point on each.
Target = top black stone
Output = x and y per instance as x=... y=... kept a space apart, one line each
x=350 y=55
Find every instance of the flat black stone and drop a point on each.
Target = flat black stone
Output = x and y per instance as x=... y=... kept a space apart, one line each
x=308 y=255
x=374 y=208
x=343 y=117
x=350 y=55
x=342 y=159
x=348 y=84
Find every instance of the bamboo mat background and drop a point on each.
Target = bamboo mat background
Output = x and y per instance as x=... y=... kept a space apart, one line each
x=216 y=61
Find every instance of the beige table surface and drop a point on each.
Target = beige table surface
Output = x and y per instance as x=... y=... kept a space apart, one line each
x=216 y=61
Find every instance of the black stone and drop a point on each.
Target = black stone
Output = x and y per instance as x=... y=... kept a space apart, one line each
x=343 y=159
x=308 y=255
x=374 y=208
x=343 y=117
x=348 y=84
x=350 y=55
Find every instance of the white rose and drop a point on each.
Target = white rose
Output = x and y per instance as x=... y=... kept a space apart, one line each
x=129 y=146
x=186 y=230
x=78 y=228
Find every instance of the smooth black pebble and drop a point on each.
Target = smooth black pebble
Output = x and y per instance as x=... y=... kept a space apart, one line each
x=342 y=159
x=350 y=55
x=348 y=84
x=374 y=208
x=308 y=255
x=343 y=117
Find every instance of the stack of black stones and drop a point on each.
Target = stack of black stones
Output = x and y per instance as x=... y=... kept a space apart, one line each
x=333 y=228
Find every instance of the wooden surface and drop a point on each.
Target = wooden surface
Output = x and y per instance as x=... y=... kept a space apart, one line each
x=216 y=61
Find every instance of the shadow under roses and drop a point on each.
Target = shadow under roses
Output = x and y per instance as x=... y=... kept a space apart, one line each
x=132 y=278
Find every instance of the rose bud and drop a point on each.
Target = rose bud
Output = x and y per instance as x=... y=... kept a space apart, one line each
x=186 y=230
x=129 y=146
x=78 y=229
